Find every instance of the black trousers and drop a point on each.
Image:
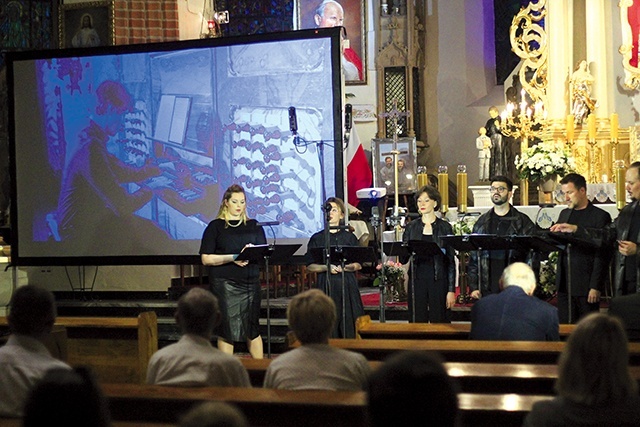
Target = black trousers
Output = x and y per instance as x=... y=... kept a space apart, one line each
x=579 y=307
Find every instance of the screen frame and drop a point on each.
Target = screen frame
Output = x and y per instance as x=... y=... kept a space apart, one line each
x=164 y=259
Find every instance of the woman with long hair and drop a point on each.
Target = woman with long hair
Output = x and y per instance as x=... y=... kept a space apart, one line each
x=594 y=386
x=235 y=283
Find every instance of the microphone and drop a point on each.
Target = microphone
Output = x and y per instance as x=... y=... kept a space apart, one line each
x=293 y=120
x=269 y=223
x=327 y=207
x=348 y=121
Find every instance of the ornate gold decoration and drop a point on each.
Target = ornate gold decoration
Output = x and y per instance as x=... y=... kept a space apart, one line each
x=529 y=42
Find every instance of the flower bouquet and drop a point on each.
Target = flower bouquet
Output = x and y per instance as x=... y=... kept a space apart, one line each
x=543 y=160
x=394 y=275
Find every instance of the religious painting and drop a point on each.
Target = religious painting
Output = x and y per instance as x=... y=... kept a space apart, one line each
x=351 y=15
x=630 y=26
x=88 y=24
x=387 y=161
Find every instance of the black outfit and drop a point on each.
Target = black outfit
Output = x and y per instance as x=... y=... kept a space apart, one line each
x=492 y=263
x=237 y=288
x=589 y=265
x=625 y=227
x=564 y=412
x=627 y=308
x=434 y=275
x=353 y=301
x=498 y=165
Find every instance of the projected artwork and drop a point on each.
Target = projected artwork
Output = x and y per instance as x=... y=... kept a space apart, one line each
x=129 y=154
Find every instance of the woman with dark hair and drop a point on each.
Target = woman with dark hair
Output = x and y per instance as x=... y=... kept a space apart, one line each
x=236 y=284
x=594 y=386
x=353 y=302
x=434 y=279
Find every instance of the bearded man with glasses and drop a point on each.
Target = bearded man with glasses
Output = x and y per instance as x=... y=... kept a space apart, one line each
x=502 y=220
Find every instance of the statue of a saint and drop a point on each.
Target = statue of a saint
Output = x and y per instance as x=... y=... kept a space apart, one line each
x=498 y=152
x=483 y=144
x=580 y=85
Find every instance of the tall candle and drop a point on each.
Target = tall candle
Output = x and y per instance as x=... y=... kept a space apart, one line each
x=614 y=126
x=591 y=125
x=570 y=127
x=443 y=188
x=621 y=191
x=462 y=192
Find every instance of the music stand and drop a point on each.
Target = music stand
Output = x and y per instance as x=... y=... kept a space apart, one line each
x=345 y=255
x=567 y=241
x=422 y=249
x=279 y=254
x=460 y=244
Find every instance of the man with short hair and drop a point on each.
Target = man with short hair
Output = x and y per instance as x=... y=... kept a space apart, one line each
x=589 y=263
x=193 y=361
x=24 y=359
x=315 y=365
x=502 y=220
x=515 y=314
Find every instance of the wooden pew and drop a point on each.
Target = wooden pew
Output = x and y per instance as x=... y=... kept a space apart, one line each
x=365 y=328
x=268 y=407
x=117 y=348
x=533 y=352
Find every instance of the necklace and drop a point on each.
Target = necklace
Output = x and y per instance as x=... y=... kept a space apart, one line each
x=231 y=225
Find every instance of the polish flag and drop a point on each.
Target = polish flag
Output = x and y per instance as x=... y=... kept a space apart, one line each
x=359 y=174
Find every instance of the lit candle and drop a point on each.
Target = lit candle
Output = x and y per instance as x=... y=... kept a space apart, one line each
x=591 y=125
x=570 y=124
x=614 y=126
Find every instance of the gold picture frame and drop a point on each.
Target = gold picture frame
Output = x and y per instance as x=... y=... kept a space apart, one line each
x=355 y=47
x=630 y=40
x=89 y=24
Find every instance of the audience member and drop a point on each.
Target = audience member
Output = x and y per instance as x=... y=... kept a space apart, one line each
x=515 y=314
x=214 y=414
x=412 y=388
x=193 y=361
x=594 y=386
x=627 y=308
x=315 y=365
x=24 y=358
x=70 y=398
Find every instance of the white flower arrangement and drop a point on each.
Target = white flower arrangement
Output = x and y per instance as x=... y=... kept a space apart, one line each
x=543 y=160
x=464 y=225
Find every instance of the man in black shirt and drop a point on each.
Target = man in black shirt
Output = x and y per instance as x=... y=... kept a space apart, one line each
x=587 y=273
x=503 y=220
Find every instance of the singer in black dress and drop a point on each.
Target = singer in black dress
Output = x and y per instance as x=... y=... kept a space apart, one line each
x=434 y=275
x=235 y=283
x=353 y=301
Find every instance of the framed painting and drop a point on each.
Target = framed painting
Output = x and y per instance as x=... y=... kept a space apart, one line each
x=351 y=15
x=89 y=24
x=405 y=164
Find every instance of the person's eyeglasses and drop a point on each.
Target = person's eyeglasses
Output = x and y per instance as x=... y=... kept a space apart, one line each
x=497 y=189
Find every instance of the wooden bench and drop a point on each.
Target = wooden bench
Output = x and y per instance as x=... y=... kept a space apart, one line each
x=365 y=328
x=534 y=352
x=117 y=348
x=269 y=407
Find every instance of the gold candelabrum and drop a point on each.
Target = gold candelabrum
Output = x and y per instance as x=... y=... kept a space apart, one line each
x=443 y=188
x=523 y=122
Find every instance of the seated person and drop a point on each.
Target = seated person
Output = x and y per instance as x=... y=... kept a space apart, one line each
x=24 y=358
x=193 y=361
x=67 y=398
x=514 y=314
x=315 y=365
x=214 y=414
x=412 y=388
x=594 y=386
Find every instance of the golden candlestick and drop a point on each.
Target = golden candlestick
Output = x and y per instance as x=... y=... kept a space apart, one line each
x=621 y=191
x=423 y=179
x=443 y=188
x=593 y=175
x=461 y=180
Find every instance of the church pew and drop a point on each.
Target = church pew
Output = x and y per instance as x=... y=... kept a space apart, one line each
x=268 y=407
x=117 y=348
x=17 y=422
x=365 y=328
x=535 y=352
x=472 y=377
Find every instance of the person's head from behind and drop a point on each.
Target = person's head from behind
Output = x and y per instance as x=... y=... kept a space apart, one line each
x=594 y=366
x=214 y=414
x=234 y=204
x=113 y=102
x=519 y=274
x=412 y=388
x=312 y=316
x=198 y=312
x=501 y=188
x=65 y=397
x=32 y=311
x=329 y=14
x=574 y=187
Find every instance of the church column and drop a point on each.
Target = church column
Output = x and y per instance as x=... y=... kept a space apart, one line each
x=560 y=64
x=598 y=41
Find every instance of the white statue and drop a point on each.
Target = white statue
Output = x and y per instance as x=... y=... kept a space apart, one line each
x=483 y=144
x=580 y=84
